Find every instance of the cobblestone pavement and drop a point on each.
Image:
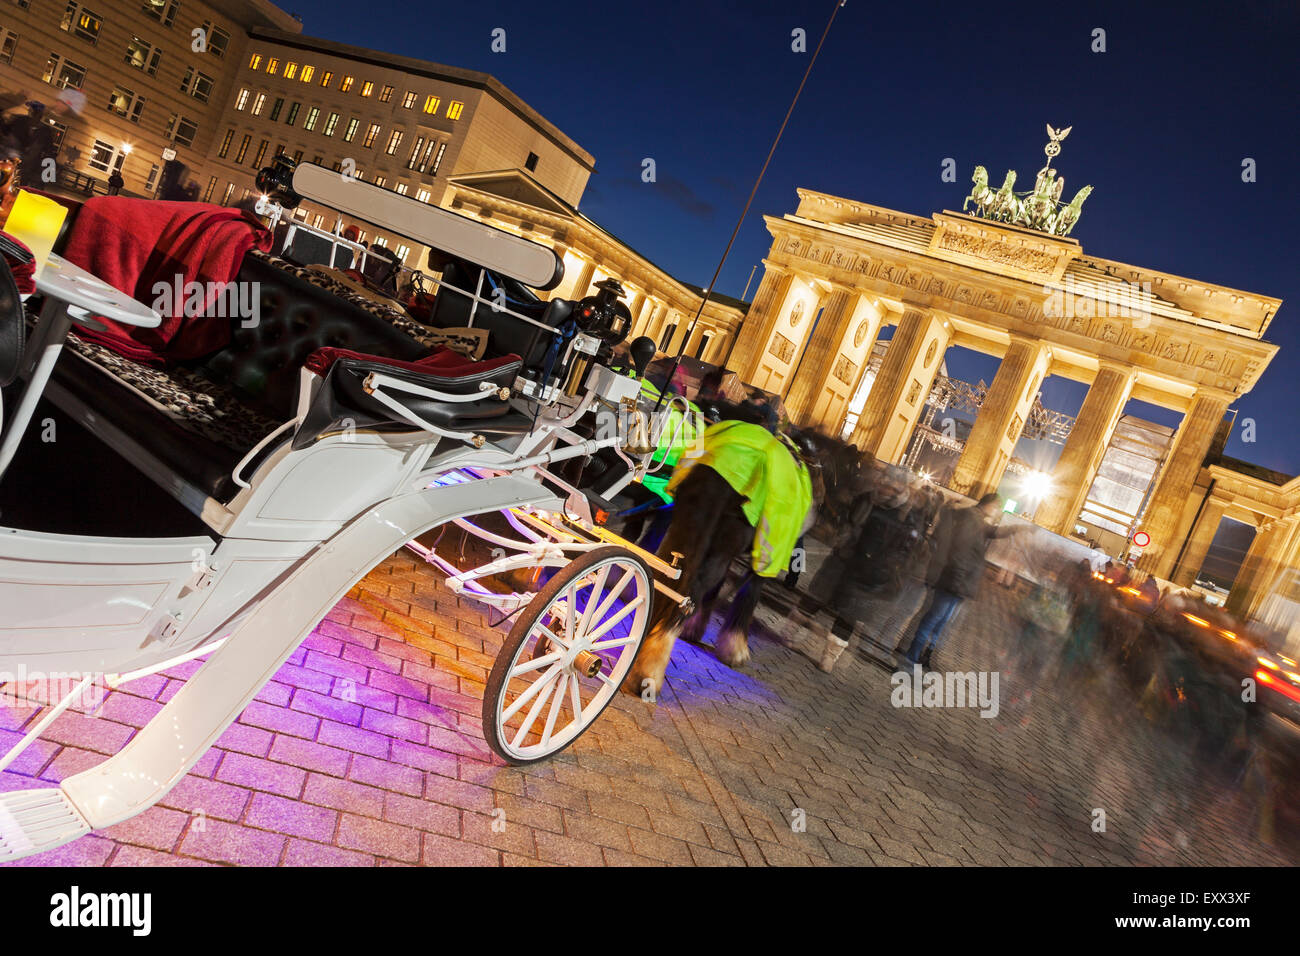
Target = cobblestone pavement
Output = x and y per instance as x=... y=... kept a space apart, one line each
x=717 y=773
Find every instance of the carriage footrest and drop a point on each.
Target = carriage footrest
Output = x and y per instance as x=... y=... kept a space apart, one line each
x=33 y=821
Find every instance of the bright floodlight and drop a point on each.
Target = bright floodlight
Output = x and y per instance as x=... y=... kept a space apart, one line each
x=1037 y=484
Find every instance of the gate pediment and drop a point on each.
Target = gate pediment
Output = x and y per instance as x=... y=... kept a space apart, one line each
x=1011 y=251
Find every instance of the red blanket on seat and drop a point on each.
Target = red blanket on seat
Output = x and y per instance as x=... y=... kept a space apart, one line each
x=143 y=246
x=442 y=361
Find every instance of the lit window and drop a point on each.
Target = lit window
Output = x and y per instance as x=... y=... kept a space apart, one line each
x=225 y=143
x=394 y=141
x=381 y=242
x=319 y=221
x=381 y=181
x=261 y=153
x=63 y=74
x=408 y=100
x=307 y=73
x=326 y=78
x=297 y=156
x=312 y=116
x=143 y=55
x=401 y=189
x=385 y=94
x=431 y=103
x=255 y=62
x=101 y=156
x=346 y=85
x=164 y=11
x=258 y=104
x=290 y=70
x=437 y=160
x=415 y=153
x=330 y=124
x=272 y=66
x=351 y=132
x=124 y=102
x=371 y=133
x=454 y=109
x=207 y=193
x=242 y=99
x=423 y=195
x=367 y=88
x=80 y=22
x=243 y=148
x=402 y=252
x=230 y=189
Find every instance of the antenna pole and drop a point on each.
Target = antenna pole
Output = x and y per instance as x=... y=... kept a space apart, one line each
x=708 y=292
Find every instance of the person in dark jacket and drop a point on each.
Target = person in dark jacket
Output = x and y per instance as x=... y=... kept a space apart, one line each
x=956 y=570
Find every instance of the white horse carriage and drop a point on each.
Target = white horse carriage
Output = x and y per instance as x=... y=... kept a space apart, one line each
x=151 y=543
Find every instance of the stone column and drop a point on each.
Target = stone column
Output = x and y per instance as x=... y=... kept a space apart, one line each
x=764 y=311
x=1266 y=557
x=1198 y=543
x=654 y=328
x=582 y=284
x=1164 y=518
x=902 y=386
x=636 y=306
x=1001 y=419
x=820 y=354
x=1084 y=447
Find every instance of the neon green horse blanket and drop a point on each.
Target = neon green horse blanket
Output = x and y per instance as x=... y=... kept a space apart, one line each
x=767 y=473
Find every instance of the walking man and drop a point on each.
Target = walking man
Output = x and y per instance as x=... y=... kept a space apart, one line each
x=971 y=531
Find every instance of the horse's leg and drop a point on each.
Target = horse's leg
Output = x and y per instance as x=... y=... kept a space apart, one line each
x=732 y=646
x=698 y=622
x=694 y=525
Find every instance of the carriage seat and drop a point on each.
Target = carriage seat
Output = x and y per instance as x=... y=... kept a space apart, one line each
x=506 y=334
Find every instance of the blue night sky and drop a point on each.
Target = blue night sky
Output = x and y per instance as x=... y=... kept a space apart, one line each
x=1161 y=124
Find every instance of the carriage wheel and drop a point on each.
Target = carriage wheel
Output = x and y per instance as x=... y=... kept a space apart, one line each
x=566 y=656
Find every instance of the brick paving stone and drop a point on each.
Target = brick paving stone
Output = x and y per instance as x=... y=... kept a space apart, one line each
x=228 y=843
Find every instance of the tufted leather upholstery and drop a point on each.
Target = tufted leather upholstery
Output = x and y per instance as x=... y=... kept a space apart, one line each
x=261 y=363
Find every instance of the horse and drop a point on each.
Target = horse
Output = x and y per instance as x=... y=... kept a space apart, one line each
x=981 y=195
x=1067 y=217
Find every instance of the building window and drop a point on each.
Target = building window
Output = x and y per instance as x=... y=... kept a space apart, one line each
x=297 y=156
x=261 y=154
x=318 y=160
x=255 y=62
x=437 y=160
x=385 y=94
x=164 y=11
x=431 y=103
x=312 y=115
x=243 y=148
x=63 y=74
x=275 y=109
x=330 y=123
x=351 y=132
x=151 y=181
x=371 y=133
x=530 y=163
x=8 y=46
x=402 y=252
x=408 y=100
x=401 y=189
x=80 y=22
x=225 y=143
x=290 y=70
x=667 y=338
x=273 y=66
x=230 y=189
x=381 y=242
x=293 y=113
x=319 y=221
x=241 y=100
x=381 y=181
x=143 y=56
x=415 y=152
x=101 y=156
x=367 y=88
x=454 y=109
x=326 y=78
x=423 y=195
x=212 y=187
x=218 y=39
x=394 y=141
x=199 y=85
x=124 y=102
x=423 y=161
x=346 y=85
x=60 y=131
x=258 y=104
x=181 y=129
x=307 y=73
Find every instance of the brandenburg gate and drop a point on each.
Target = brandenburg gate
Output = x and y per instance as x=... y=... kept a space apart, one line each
x=1006 y=280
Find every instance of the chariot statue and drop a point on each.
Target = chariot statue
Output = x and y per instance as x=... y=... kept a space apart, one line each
x=1039 y=208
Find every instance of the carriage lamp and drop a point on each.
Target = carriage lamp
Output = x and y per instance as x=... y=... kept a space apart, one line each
x=36 y=220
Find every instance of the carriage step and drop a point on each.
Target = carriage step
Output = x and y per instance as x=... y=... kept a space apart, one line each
x=33 y=821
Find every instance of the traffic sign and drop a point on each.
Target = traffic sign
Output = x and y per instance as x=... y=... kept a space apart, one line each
x=1141 y=539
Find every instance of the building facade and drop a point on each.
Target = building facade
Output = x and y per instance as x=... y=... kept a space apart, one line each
x=156 y=75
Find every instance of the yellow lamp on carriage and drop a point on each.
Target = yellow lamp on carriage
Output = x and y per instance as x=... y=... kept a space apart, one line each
x=36 y=221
